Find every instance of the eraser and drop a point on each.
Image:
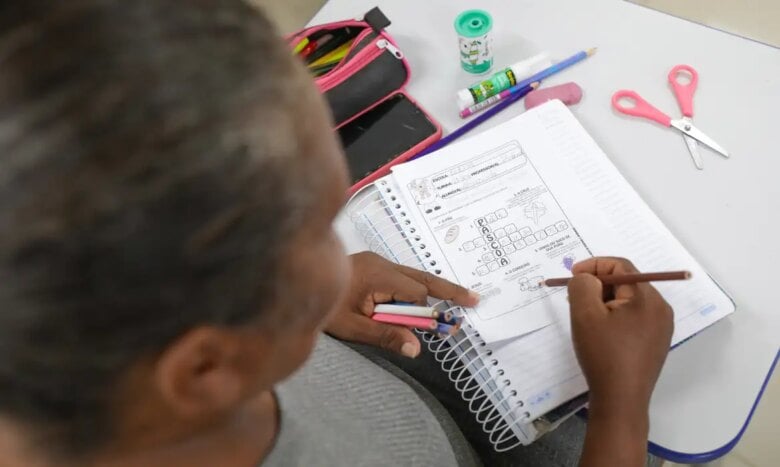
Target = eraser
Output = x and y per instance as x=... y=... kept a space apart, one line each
x=569 y=94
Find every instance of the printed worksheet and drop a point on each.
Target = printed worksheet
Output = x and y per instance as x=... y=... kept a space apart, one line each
x=500 y=230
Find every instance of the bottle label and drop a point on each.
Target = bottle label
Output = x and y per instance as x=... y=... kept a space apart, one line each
x=502 y=80
x=475 y=54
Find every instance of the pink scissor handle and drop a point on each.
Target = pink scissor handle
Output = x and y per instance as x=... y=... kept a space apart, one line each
x=684 y=92
x=641 y=107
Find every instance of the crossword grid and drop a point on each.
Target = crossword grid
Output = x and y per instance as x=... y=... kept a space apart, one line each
x=502 y=241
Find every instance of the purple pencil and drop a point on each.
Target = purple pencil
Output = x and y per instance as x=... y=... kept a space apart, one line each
x=477 y=120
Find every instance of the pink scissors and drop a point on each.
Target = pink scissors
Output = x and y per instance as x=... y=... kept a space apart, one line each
x=684 y=94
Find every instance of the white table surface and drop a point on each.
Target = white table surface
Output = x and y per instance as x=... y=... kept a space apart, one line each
x=728 y=215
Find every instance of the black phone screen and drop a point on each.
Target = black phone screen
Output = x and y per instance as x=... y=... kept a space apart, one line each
x=382 y=134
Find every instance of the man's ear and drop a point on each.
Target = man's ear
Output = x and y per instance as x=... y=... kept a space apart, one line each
x=204 y=372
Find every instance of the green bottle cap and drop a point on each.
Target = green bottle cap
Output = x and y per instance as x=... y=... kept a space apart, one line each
x=473 y=23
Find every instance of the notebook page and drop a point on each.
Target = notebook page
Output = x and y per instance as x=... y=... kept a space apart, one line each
x=500 y=228
x=611 y=220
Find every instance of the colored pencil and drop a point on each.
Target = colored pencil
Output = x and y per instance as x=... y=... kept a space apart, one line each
x=546 y=73
x=516 y=96
x=329 y=43
x=333 y=56
x=406 y=310
x=408 y=321
x=621 y=279
x=303 y=43
x=448 y=317
x=448 y=329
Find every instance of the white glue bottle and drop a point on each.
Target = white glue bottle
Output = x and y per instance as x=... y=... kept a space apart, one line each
x=502 y=80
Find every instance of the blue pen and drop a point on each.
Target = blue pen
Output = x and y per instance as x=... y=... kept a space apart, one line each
x=547 y=72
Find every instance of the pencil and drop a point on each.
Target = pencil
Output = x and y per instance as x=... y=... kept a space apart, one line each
x=303 y=43
x=408 y=321
x=478 y=120
x=406 y=310
x=620 y=279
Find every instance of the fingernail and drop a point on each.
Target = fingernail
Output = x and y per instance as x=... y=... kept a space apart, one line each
x=474 y=296
x=409 y=350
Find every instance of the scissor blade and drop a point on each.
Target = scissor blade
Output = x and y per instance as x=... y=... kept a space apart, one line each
x=699 y=136
x=693 y=148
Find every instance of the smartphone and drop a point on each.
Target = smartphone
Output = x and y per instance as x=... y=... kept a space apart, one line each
x=384 y=133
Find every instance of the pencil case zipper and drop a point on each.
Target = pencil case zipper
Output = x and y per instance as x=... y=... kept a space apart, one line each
x=350 y=65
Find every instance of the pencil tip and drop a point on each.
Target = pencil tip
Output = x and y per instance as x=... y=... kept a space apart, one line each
x=535 y=84
x=542 y=284
x=592 y=51
x=688 y=274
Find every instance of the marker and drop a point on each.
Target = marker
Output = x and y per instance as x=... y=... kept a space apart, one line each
x=303 y=43
x=408 y=321
x=308 y=49
x=407 y=310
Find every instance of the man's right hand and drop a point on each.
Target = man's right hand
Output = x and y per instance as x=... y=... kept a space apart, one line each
x=621 y=336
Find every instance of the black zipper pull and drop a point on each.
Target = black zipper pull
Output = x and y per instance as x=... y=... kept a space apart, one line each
x=376 y=19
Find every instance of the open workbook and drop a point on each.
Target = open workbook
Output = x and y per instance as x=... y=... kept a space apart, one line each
x=498 y=213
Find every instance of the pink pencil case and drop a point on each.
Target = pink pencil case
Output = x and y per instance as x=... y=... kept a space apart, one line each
x=373 y=70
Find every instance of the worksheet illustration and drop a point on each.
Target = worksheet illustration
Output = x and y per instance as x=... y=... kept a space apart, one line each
x=500 y=228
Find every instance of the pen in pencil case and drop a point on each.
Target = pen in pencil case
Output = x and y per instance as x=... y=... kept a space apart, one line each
x=427 y=324
x=620 y=279
x=406 y=310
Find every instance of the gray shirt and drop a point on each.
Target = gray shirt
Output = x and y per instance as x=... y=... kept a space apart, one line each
x=342 y=409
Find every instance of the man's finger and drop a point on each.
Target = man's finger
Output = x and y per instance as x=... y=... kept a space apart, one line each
x=585 y=295
x=399 y=287
x=396 y=339
x=604 y=265
x=442 y=288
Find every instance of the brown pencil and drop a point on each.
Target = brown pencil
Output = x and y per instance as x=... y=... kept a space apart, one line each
x=619 y=279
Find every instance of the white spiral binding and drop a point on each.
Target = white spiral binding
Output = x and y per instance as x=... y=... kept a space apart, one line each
x=464 y=357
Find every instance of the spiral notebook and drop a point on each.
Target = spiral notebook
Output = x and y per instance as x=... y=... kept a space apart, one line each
x=498 y=213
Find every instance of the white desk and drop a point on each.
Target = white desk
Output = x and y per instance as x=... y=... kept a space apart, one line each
x=728 y=215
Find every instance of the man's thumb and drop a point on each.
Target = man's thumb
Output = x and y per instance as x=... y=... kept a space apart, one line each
x=585 y=293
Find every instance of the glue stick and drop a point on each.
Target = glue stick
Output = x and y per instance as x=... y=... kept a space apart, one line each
x=502 y=80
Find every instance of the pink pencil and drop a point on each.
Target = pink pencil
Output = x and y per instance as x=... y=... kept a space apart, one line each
x=408 y=321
